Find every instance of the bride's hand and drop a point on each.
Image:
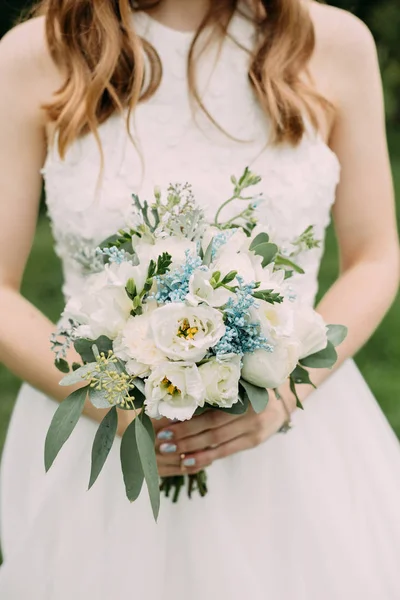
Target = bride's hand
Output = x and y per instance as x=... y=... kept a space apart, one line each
x=212 y=436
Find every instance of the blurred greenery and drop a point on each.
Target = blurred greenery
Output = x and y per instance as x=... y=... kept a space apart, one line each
x=380 y=358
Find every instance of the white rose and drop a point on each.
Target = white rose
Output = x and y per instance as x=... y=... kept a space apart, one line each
x=221 y=380
x=310 y=329
x=135 y=346
x=184 y=332
x=103 y=306
x=270 y=369
x=174 y=390
x=201 y=290
x=176 y=247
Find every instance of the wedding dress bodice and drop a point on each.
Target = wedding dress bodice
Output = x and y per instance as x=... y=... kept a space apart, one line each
x=174 y=143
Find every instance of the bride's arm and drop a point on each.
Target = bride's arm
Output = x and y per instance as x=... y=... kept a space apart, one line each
x=365 y=223
x=27 y=79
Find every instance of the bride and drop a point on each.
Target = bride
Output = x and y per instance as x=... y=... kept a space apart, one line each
x=292 y=89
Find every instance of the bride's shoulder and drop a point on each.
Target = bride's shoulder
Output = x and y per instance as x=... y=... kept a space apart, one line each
x=26 y=62
x=345 y=49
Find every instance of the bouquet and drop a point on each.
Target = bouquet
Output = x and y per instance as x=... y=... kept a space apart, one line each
x=180 y=316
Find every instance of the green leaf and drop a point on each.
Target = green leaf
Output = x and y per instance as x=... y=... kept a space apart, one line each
x=268 y=296
x=282 y=261
x=145 y=442
x=208 y=254
x=294 y=392
x=62 y=365
x=62 y=425
x=229 y=277
x=76 y=366
x=325 y=359
x=337 y=334
x=84 y=347
x=258 y=396
x=79 y=375
x=267 y=251
x=130 y=463
x=102 y=444
x=240 y=408
x=300 y=375
x=130 y=288
x=261 y=238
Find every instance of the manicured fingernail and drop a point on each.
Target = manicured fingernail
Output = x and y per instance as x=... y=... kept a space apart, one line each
x=189 y=462
x=168 y=448
x=165 y=435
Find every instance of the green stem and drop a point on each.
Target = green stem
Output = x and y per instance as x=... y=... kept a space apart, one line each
x=234 y=197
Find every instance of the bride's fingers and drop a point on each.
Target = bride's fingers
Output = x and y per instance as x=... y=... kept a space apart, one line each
x=200 y=460
x=211 y=419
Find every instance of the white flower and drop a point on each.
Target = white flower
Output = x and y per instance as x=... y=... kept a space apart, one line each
x=310 y=329
x=240 y=262
x=276 y=320
x=221 y=378
x=176 y=247
x=268 y=278
x=201 y=290
x=103 y=306
x=238 y=242
x=270 y=369
x=135 y=346
x=174 y=390
x=186 y=333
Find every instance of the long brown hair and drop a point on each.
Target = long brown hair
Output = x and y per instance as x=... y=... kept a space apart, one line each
x=97 y=47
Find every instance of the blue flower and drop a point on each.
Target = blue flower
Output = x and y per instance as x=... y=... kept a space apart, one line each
x=115 y=255
x=242 y=336
x=174 y=285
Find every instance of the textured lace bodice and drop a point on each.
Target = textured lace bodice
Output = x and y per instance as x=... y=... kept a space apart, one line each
x=173 y=145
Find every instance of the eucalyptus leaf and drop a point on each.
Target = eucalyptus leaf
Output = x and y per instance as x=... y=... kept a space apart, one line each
x=282 y=261
x=295 y=394
x=337 y=334
x=62 y=425
x=62 y=365
x=258 y=396
x=302 y=376
x=84 y=347
x=239 y=408
x=102 y=444
x=79 y=375
x=208 y=254
x=261 y=238
x=325 y=359
x=145 y=441
x=267 y=251
x=131 y=464
x=99 y=398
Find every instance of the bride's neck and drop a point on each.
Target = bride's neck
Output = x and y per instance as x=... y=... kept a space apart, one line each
x=185 y=15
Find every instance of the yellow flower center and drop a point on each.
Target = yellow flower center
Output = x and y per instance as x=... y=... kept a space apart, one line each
x=171 y=388
x=187 y=332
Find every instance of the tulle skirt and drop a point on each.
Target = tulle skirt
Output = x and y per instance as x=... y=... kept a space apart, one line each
x=311 y=515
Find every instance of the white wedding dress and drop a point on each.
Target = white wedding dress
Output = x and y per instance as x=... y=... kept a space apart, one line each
x=313 y=515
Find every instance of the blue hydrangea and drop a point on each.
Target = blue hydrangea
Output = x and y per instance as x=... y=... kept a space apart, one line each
x=174 y=285
x=241 y=336
x=115 y=255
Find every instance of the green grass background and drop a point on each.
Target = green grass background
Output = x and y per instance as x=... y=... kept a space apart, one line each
x=379 y=360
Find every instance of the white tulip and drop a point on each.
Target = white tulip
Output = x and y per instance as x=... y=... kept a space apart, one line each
x=174 y=390
x=270 y=369
x=184 y=332
x=221 y=380
x=310 y=329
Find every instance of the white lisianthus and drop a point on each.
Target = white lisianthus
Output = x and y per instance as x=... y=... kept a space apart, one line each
x=184 y=332
x=201 y=290
x=221 y=380
x=240 y=262
x=268 y=278
x=174 y=390
x=237 y=242
x=176 y=247
x=310 y=329
x=276 y=320
x=103 y=307
x=270 y=369
x=209 y=234
x=135 y=346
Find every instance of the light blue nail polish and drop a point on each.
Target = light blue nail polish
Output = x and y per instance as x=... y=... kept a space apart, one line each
x=189 y=462
x=168 y=448
x=165 y=435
